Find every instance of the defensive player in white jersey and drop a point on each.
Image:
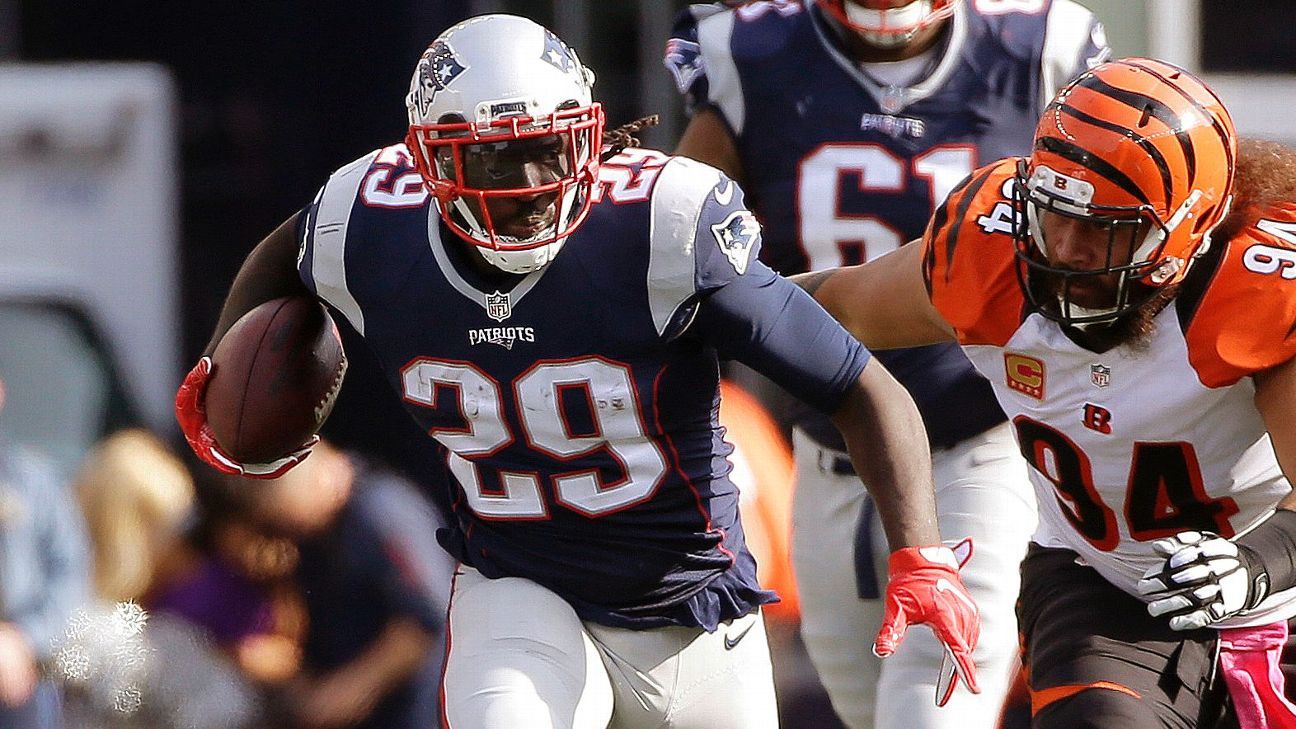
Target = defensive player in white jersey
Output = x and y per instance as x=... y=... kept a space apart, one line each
x=552 y=312
x=1129 y=290
x=847 y=122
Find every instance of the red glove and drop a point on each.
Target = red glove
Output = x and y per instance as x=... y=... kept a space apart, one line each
x=925 y=588
x=192 y=416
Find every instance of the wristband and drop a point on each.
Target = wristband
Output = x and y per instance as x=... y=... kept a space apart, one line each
x=1269 y=554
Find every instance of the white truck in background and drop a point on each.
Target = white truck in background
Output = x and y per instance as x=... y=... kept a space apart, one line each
x=89 y=252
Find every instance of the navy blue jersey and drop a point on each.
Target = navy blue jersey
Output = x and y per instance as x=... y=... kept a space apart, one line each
x=577 y=407
x=841 y=168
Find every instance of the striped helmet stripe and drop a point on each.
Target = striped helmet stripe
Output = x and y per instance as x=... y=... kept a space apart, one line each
x=1215 y=122
x=1155 y=107
x=1167 y=180
x=1093 y=162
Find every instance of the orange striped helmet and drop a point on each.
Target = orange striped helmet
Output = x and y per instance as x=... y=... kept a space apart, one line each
x=1142 y=148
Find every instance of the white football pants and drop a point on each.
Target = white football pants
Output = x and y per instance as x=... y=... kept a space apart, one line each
x=520 y=657
x=982 y=491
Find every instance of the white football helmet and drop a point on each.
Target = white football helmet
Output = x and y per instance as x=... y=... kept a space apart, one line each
x=892 y=27
x=501 y=116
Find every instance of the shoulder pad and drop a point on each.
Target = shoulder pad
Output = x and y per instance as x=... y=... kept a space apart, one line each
x=1239 y=319
x=765 y=31
x=1014 y=29
x=969 y=259
x=1061 y=36
x=377 y=184
x=702 y=235
x=1074 y=42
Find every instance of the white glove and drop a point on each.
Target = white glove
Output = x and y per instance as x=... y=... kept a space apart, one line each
x=1203 y=580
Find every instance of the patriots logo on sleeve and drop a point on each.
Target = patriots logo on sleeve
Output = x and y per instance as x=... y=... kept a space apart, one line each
x=737 y=235
x=437 y=68
x=684 y=61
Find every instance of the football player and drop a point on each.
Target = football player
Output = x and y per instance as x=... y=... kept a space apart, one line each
x=551 y=313
x=1128 y=290
x=847 y=121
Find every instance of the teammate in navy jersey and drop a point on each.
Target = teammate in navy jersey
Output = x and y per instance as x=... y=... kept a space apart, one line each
x=604 y=578
x=847 y=122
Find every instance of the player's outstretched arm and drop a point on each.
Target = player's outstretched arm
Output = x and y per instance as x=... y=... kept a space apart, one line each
x=769 y=324
x=886 y=440
x=888 y=445
x=883 y=303
x=1206 y=578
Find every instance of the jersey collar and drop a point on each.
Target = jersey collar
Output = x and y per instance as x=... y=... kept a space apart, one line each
x=457 y=279
x=893 y=100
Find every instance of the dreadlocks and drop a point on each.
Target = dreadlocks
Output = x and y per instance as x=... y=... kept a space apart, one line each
x=623 y=136
x=1266 y=174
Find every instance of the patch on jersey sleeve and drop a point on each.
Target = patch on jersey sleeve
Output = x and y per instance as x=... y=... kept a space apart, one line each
x=736 y=234
x=684 y=61
x=683 y=57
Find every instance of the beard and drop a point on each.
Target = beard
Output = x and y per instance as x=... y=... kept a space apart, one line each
x=1132 y=329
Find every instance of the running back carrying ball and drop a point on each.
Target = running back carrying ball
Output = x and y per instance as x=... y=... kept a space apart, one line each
x=275 y=378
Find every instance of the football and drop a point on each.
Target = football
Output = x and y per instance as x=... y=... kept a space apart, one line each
x=276 y=375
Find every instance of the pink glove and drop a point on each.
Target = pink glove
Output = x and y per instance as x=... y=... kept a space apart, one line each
x=925 y=588
x=192 y=416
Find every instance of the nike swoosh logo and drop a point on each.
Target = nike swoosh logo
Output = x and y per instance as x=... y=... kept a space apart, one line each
x=944 y=585
x=731 y=642
x=725 y=195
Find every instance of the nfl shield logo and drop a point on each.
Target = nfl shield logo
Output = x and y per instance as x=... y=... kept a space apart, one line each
x=498 y=306
x=893 y=100
x=1100 y=375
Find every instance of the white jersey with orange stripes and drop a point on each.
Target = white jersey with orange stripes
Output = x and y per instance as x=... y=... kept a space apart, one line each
x=1138 y=442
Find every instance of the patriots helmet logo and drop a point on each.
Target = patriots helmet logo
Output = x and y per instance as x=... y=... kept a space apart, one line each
x=684 y=61
x=737 y=236
x=557 y=54
x=436 y=69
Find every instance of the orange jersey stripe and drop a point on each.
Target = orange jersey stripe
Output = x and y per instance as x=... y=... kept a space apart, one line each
x=969 y=262
x=1044 y=697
